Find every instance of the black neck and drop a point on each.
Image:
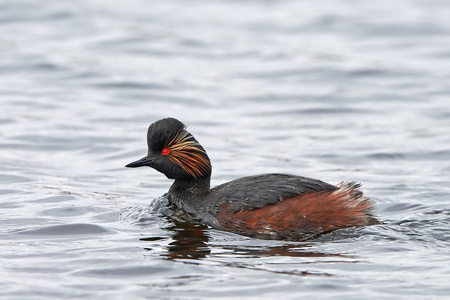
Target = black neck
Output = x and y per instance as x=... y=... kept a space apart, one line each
x=190 y=189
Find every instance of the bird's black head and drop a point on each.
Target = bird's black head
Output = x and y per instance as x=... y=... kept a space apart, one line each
x=174 y=152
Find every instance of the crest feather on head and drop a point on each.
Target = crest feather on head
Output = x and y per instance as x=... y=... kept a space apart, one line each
x=183 y=148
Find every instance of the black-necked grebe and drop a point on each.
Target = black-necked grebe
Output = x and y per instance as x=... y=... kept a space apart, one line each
x=271 y=206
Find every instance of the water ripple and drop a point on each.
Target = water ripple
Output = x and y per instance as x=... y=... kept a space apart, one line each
x=344 y=90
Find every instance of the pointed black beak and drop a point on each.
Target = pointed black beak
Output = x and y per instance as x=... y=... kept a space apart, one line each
x=145 y=161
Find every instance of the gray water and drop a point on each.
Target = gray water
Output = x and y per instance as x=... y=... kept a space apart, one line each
x=335 y=90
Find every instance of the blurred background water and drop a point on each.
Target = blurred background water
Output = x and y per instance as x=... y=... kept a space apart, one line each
x=335 y=90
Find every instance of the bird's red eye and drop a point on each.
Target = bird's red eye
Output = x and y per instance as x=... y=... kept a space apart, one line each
x=165 y=151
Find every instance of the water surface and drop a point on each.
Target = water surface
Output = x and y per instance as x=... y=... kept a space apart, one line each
x=336 y=90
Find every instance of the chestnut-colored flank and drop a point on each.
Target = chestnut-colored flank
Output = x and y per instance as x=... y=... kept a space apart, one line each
x=188 y=154
x=301 y=217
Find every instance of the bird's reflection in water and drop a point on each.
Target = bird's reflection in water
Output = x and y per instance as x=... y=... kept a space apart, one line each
x=190 y=241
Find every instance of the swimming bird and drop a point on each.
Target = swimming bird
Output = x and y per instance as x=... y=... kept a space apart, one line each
x=269 y=206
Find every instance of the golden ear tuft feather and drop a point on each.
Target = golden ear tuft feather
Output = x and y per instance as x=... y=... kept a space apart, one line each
x=186 y=152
